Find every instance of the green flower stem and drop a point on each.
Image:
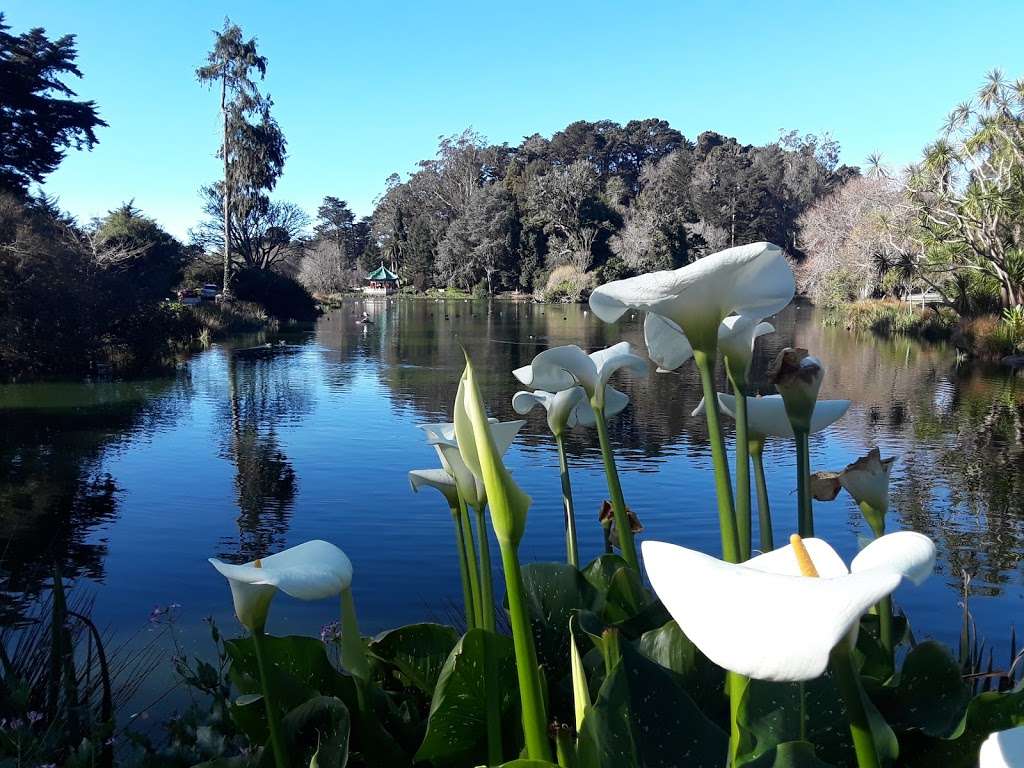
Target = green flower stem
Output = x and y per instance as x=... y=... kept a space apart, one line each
x=486 y=617
x=737 y=687
x=353 y=650
x=471 y=562
x=535 y=719
x=764 y=511
x=743 y=511
x=805 y=513
x=565 y=748
x=723 y=485
x=876 y=520
x=492 y=698
x=571 y=547
x=626 y=543
x=467 y=592
x=849 y=688
x=273 y=717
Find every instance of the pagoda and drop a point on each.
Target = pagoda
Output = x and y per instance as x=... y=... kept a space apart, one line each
x=381 y=282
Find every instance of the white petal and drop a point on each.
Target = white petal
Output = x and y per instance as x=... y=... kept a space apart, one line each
x=615 y=402
x=608 y=361
x=435 y=478
x=907 y=553
x=465 y=480
x=736 y=337
x=524 y=402
x=667 y=345
x=702 y=408
x=559 y=368
x=439 y=433
x=753 y=279
x=763 y=625
x=766 y=416
x=1003 y=749
x=827 y=561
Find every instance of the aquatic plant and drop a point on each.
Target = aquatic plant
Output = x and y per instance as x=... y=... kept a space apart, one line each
x=754 y=659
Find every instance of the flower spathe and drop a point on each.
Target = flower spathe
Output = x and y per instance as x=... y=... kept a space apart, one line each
x=1003 y=749
x=766 y=416
x=754 y=280
x=569 y=407
x=762 y=618
x=867 y=480
x=560 y=368
x=310 y=571
x=442 y=437
x=435 y=478
x=669 y=348
x=736 y=337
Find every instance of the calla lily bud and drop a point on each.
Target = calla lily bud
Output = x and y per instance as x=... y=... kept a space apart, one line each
x=825 y=485
x=797 y=375
x=867 y=480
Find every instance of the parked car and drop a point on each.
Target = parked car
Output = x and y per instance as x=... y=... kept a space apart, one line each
x=189 y=297
x=209 y=291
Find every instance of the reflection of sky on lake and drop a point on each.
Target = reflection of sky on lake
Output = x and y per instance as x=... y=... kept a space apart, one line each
x=236 y=455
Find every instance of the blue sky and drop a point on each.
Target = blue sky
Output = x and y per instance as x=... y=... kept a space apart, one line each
x=363 y=89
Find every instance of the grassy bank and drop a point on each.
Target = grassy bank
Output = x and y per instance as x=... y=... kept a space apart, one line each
x=986 y=337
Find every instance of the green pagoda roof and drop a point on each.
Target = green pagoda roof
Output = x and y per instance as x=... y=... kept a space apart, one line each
x=382 y=273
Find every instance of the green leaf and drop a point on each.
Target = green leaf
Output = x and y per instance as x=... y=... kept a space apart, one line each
x=457 y=728
x=317 y=727
x=987 y=712
x=770 y=712
x=668 y=646
x=250 y=716
x=876 y=662
x=417 y=652
x=789 y=754
x=528 y=764
x=643 y=718
x=553 y=591
x=931 y=695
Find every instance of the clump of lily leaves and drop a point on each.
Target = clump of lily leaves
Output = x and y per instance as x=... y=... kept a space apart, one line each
x=758 y=655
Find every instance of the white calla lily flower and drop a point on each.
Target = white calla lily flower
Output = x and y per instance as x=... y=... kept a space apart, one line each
x=561 y=368
x=570 y=407
x=442 y=437
x=762 y=618
x=867 y=480
x=766 y=416
x=1003 y=749
x=669 y=348
x=435 y=478
x=754 y=280
x=736 y=337
x=310 y=571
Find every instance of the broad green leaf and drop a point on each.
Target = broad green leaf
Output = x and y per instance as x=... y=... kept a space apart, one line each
x=643 y=718
x=456 y=728
x=789 y=754
x=528 y=764
x=931 y=695
x=417 y=652
x=704 y=681
x=770 y=713
x=320 y=728
x=876 y=663
x=987 y=712
x=552 y=592
x=250 y=716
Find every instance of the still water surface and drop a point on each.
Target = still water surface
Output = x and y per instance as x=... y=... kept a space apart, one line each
x=132 y=486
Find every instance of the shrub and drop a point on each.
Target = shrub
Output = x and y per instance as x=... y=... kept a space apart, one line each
x=233 y=317
x=991 y=337
x=568 y=284
x=888 y=317
x=281 y=296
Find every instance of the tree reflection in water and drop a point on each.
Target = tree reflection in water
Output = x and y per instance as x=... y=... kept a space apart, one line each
x=54 y=496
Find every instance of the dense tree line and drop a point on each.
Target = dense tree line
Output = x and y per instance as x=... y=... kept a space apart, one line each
x=597 y=198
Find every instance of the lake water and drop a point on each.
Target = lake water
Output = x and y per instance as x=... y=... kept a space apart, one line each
x=132 y=486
